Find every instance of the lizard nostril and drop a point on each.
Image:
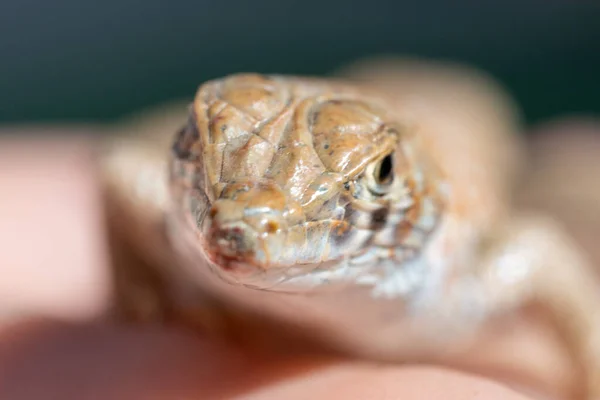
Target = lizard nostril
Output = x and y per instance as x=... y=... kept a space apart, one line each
x=271 y=226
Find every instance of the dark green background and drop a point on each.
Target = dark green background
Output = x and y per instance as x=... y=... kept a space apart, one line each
x=84 y=60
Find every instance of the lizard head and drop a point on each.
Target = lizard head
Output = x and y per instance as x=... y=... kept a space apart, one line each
x=296 y=182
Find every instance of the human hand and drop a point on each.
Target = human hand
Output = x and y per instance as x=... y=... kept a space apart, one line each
x=54 y=265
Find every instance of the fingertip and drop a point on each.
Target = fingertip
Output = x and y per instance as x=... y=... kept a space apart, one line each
x=363 y=381
x=115 y=362
x=53 y=259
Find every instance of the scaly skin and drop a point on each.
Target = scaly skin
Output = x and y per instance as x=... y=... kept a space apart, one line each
x=279 y=208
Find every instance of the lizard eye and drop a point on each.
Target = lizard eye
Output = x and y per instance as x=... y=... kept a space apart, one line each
x=384 y=173
x=381 y=175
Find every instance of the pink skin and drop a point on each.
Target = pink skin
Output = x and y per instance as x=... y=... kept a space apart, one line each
x=53 y=263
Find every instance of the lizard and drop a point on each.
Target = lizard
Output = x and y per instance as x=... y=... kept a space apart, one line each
x=327 y=206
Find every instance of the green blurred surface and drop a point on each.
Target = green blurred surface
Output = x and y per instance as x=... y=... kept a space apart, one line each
x=80 y=61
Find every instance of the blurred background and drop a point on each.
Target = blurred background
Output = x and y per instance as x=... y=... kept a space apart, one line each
x=73 y=60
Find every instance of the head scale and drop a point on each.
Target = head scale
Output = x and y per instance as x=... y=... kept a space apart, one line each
x=282 y=178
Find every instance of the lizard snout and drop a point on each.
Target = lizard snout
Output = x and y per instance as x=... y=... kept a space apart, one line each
x=234 y=234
